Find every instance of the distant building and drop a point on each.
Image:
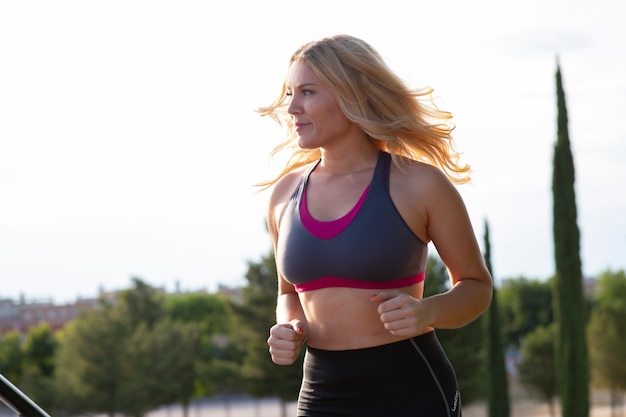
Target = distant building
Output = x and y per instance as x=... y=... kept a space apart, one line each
x=235 y=294
x=22 y=315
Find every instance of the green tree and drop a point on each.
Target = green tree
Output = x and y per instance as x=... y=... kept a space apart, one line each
x=211 y=310
x=611 y=290
x=497 y=386
x=161 y=361
x=524 y=304
x=463 y=346
x=569 y=303
x=536 y=368
x=141 y=304
x=11 y=355
x=127 y=356
x=607 y=335
x=214 y=370
x=255 y=315
x=39 y=349
x=90 y=361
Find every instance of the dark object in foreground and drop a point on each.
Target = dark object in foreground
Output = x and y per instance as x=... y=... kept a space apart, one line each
x=18 y=401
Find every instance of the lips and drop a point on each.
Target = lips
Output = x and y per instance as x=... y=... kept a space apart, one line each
x=300 y=126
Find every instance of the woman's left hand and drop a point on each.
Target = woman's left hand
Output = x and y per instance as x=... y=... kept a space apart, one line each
x=400 y=313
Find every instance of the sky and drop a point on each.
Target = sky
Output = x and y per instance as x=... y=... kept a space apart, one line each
x=130 y=146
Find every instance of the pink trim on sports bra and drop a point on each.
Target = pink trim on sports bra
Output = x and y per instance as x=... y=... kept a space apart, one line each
x=334 y=282
x=327 y=230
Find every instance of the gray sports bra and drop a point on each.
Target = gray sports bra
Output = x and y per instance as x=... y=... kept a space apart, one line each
x=370 y=247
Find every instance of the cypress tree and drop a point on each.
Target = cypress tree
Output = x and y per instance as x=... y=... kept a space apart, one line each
x=496 y=379
x=571 y=349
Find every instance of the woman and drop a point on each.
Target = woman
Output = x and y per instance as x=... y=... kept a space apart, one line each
x=368 y=186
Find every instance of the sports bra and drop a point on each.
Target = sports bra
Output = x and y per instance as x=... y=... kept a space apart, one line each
x=370 y=247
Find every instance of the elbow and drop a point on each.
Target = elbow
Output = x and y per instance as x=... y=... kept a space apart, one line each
x=485 y=294
x=481 y=294
x=488 y=297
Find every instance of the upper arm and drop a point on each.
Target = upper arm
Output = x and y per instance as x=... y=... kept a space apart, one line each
x=279 y=197
x=449 y=227
x=433 y=208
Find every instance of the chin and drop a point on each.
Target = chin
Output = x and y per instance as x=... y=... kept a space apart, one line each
x=303 y=144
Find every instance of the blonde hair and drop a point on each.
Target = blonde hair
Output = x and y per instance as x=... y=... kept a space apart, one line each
x=402 y=121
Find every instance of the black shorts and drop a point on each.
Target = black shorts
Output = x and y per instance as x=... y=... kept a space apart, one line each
x=409 y=378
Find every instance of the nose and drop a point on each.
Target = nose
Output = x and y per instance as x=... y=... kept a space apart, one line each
x=294 y=107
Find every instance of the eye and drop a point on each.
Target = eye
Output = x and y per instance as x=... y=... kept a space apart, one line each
x=307 y=92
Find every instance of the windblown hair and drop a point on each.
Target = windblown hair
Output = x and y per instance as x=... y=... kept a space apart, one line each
x=402 y=121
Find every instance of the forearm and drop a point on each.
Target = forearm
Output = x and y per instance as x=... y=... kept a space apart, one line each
x=460 y=305
x=288 y=308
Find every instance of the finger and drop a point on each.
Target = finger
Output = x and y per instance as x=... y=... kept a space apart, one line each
x=283 y=344
x=398 y=322
x=283 y=357
x=383 y=296
x=298 y=327
x=283 y=348
x=399 y=302
x=392 y=315
x=286 y=332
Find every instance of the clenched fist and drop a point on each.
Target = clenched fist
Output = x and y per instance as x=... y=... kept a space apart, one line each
x=401 y=314
x=285 y=342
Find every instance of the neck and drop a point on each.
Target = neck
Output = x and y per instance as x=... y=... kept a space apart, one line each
x=348 y=162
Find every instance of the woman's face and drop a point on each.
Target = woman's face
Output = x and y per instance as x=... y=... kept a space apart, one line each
x=318 y=120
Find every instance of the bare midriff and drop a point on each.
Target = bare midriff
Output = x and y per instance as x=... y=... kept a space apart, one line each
x=347 y=318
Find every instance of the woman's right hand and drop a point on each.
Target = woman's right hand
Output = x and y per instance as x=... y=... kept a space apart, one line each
x=285 y=342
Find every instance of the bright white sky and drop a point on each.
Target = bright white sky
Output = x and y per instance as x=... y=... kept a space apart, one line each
x=129 y=142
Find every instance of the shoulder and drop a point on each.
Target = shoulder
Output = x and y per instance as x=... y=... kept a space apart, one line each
x=283 y=188
x=422 y=192
x=280 y=193
x=416 y=176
